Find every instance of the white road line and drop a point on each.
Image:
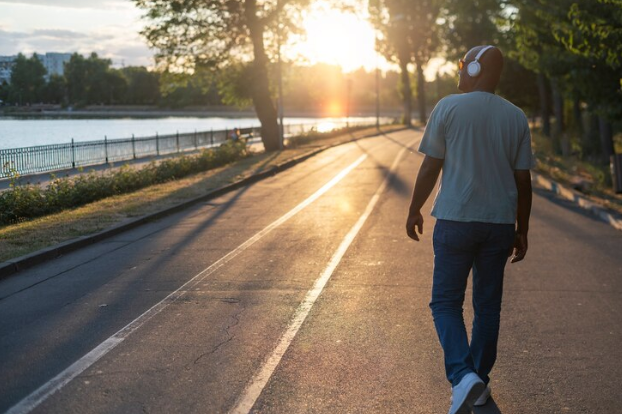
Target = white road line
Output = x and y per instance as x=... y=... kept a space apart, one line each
x=55 y=384
x=254 y=388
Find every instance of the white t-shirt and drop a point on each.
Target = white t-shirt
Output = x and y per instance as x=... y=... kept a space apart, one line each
x=483 y=139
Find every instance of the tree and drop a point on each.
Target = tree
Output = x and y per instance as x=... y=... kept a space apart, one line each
x=181 y=89
x=570 y=42
x=27 y=80
x=191 y=35
x=92 y=81
x=390 y=18
x=470 y=23
x=55 y=90
x=410 y=34
x=76 y=75
x=116 y=87
x=425 y=35
x=143 y=86
x=593 y=32
x=4 y=92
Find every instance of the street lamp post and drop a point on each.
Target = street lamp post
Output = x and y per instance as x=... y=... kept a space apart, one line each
x=377 y=85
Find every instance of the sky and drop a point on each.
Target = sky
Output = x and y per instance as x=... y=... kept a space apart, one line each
x=111 y=29
x=108 y=27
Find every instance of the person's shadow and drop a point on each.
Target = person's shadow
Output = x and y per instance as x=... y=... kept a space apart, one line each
x=489 y=408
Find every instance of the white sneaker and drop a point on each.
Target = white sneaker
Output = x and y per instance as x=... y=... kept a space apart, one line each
x=483 y=399
x=465 y=393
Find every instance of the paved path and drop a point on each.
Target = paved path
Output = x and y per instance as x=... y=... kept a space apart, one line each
x=226 y=288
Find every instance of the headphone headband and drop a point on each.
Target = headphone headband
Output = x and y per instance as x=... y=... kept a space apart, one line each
x=481 y=53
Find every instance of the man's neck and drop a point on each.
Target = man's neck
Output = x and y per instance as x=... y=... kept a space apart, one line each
x=492 y=91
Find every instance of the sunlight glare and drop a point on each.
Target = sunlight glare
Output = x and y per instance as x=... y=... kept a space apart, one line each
x=338 y=38
x=334 y=109
x=325 y=127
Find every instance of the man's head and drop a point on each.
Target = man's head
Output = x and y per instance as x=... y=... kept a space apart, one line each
x=490 y=65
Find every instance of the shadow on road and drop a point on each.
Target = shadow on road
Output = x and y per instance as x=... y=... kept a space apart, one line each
x=384 y=135
x=397 y=184
x=490 y=408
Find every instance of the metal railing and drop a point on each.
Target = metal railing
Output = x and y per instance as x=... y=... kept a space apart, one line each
x=47 y=158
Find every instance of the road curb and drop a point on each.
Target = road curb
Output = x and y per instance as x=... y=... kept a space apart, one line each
x=609 y=217
x=13 y=266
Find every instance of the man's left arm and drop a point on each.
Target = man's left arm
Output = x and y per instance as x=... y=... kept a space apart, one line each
x=426 y=179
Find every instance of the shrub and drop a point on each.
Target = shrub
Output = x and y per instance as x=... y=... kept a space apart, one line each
x=23 y=202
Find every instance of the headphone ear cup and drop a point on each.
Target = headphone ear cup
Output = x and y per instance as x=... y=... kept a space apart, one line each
x=473 y=69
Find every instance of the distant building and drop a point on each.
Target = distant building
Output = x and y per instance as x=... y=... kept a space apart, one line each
x=54 y=64
x=6 y=66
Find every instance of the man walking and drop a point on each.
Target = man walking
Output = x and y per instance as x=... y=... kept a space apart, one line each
x=482 y=144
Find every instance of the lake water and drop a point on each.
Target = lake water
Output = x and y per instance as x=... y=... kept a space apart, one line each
x=20 y=132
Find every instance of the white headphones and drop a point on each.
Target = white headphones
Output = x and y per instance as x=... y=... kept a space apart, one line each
x=474 y=68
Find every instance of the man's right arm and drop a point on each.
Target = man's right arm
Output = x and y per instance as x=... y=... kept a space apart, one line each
x=523 y=185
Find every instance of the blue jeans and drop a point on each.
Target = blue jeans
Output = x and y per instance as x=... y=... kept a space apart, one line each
x=458 y=248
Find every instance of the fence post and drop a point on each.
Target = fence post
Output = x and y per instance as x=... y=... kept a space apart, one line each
x=211 y=137
x=106 y=147
x=157 y=145
x=133 y=147
x=226 y=134
x=196 y=145
x=73 y=154
x=177 y=141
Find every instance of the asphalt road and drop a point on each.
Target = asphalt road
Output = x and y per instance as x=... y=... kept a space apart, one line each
x=270 y=299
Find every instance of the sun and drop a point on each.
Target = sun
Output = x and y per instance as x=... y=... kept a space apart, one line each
x=347 y=40
x=337 y=38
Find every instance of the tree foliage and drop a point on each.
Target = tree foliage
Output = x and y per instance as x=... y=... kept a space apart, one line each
x=570 y=49
x=574 y=43
x=221 y=35
x=27 y=80
x=468 y=23
x=143 y=86
x=410 y=34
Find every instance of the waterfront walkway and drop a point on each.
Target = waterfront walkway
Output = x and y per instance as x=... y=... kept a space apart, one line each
x=302 y=294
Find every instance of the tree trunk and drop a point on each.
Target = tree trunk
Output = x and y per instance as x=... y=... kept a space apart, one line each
x=591 y=137
x=421 y=92
x=606 y=138
x=578 y=116
x=544 y=105
x=404 y=59
x=561 y=137
x=262 y=101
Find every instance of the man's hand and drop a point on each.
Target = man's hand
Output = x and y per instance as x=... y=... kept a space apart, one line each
x=426 y=179
x=520 y=248
x=414 y=220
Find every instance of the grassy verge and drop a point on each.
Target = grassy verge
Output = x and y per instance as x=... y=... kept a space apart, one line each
x=24 y=202
x=29 y=236
x=591 y=179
